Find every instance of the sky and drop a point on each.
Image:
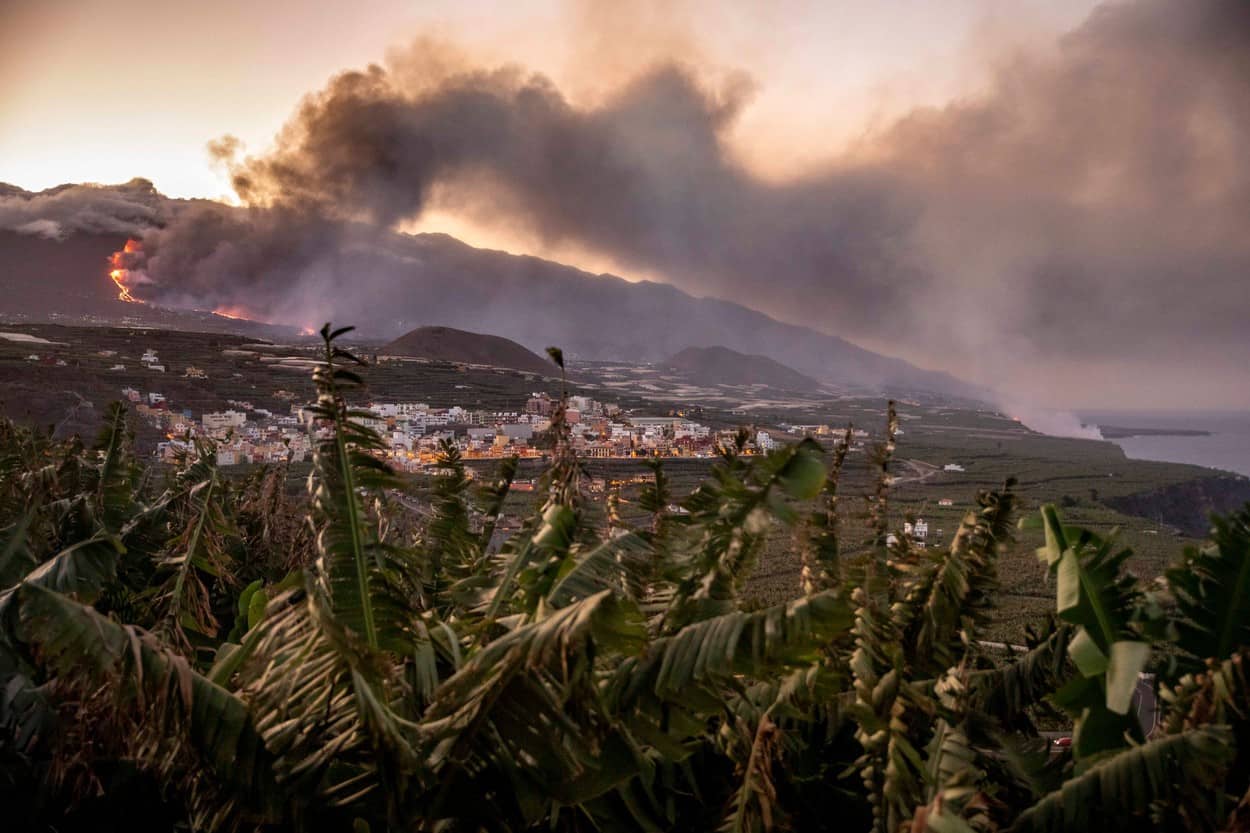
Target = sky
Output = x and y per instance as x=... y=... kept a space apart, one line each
x=1044 y=197
x=105 y=90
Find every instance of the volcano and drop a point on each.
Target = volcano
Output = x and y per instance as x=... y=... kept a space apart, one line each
x=447 y=344
x=396 y=283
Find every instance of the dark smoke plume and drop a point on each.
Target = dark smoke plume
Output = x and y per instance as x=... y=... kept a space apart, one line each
x=1093 y=200
x=82 y=209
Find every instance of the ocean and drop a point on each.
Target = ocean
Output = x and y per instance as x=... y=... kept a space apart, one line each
x=1227 y=447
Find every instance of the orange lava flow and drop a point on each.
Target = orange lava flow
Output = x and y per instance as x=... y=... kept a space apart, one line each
x=123 y=294
x=119 y=272
x=236 y=313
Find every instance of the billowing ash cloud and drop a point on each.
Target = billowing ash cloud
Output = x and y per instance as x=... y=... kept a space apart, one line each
x=645 y=177
x=1093 y=200
x=132 y=208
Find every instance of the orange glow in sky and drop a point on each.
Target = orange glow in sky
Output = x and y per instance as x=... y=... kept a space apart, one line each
x=821 y=71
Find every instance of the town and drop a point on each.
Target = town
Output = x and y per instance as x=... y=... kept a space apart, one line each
x=414 y=431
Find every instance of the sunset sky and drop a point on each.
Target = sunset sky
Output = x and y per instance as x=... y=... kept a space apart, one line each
x=1044 y=196
x=105 y=90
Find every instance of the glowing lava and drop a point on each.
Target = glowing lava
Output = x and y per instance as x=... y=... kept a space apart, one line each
x=120 y=271
x=235 y=313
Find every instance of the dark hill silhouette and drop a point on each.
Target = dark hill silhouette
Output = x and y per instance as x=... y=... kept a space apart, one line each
x=40 y=275
x=400 y=282
x=451 y=345
x=722 y=366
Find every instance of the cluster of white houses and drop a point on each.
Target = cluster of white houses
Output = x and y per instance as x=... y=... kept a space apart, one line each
x=414 y=431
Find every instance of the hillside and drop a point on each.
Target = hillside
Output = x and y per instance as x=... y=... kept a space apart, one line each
x=447 y=344
x=70 y=276
x=722 y=366
x=396 y=282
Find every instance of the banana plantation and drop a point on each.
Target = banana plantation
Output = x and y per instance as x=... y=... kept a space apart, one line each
x=181 y=650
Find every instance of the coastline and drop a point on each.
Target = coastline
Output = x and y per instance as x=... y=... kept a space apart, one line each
x=1219 y=440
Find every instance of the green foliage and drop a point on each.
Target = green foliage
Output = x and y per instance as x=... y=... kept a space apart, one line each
x=1124 y=791
x=1114 y=621
x=156 y=706
x=362 y=658
x=1211 y=587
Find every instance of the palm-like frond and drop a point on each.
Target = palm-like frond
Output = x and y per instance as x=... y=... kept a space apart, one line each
x=1121 y=791
x=823 y=547
x=170 y=718
x=1005 y=691
x=714 y=650
x=729 y=519
x=617 y=563
x=886 y=712
x=528 y=565
x=320 y=702
x=878 y=502
x=115 y=471
x=957 y=802
x=360 y=578
x=448 y=546
x=754 y=805
x=81 y=570
x=493 y=497
x=1110 y=646
x=518 y=726
x=955 y=588
x=1219 y=694
x=197 y=552
x=655 y=497
x=322 y=675
x=1211 y=586
x=17 y=552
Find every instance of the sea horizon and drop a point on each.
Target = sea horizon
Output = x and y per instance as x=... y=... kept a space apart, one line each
x=1226 y=447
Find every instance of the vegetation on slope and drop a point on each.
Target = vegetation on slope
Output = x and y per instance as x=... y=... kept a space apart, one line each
x=236 y=661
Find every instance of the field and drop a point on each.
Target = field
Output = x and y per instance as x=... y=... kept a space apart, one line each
x=71 y=383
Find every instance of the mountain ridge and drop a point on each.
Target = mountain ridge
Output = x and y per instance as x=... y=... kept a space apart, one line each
x=392 y=283
x=717 y=365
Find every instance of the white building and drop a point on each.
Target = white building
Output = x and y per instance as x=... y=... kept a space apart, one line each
x=918 y=532
x=224 y=421
x=764 y=441
x=693 y=430
x=399 y=409
x=952 y=467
